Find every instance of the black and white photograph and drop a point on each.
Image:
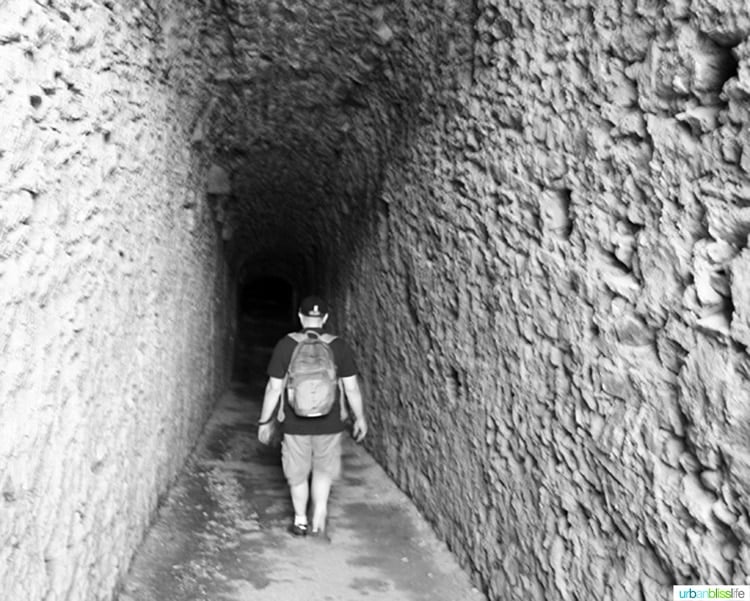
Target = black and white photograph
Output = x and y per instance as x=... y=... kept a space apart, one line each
x=374 y=300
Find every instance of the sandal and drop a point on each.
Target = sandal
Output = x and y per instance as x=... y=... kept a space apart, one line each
x=298 y=529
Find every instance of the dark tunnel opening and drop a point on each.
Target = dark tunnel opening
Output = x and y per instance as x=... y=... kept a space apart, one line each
x=266 y=297
x=266 y=310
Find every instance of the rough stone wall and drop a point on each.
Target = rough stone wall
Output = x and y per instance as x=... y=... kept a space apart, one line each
x=551 y=307
x=112 y=330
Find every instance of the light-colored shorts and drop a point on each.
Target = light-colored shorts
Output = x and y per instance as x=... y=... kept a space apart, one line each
x=302 y=453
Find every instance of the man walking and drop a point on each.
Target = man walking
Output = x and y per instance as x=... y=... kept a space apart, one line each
x=313 y=412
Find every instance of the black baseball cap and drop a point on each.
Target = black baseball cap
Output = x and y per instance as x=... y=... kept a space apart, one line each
x=313 y=306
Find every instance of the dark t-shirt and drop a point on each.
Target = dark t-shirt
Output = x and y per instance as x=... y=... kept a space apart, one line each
x=345 y=367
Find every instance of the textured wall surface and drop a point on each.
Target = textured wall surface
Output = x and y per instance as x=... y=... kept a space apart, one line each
x=113 y=304
x=552 y=308
x=532 y=217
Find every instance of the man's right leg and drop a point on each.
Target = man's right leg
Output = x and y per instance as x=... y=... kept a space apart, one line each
x=326 y=468
x=321 y=488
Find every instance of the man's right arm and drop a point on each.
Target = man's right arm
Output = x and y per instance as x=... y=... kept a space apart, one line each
x=267 y=413
x=354 y=396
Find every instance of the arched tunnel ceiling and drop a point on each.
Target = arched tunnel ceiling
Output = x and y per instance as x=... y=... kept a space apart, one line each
x=299 y=115
x=308 y=101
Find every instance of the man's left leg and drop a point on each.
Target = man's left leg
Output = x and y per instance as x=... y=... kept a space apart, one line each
x=296 y=460
x=300 y=494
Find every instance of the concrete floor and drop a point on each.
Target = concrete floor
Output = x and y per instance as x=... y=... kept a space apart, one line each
x=221 y=534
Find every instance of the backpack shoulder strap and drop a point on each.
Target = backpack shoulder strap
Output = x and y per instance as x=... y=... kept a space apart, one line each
x=297 y=337
x=344 y=413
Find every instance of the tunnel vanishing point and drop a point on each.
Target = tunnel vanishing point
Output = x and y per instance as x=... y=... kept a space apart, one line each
x=531 y=218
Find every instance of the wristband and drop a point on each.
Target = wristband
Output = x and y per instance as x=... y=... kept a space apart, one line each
x=268 y=421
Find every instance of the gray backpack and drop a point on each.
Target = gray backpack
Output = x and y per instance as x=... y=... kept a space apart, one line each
x=311 y=383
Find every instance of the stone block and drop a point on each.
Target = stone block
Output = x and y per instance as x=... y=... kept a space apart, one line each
x=555 y=213
x=740 y=293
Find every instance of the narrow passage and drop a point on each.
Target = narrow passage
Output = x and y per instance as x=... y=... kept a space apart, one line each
x=221 y=534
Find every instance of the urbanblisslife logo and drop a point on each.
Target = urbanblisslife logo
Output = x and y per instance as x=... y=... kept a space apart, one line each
x=711 y=591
